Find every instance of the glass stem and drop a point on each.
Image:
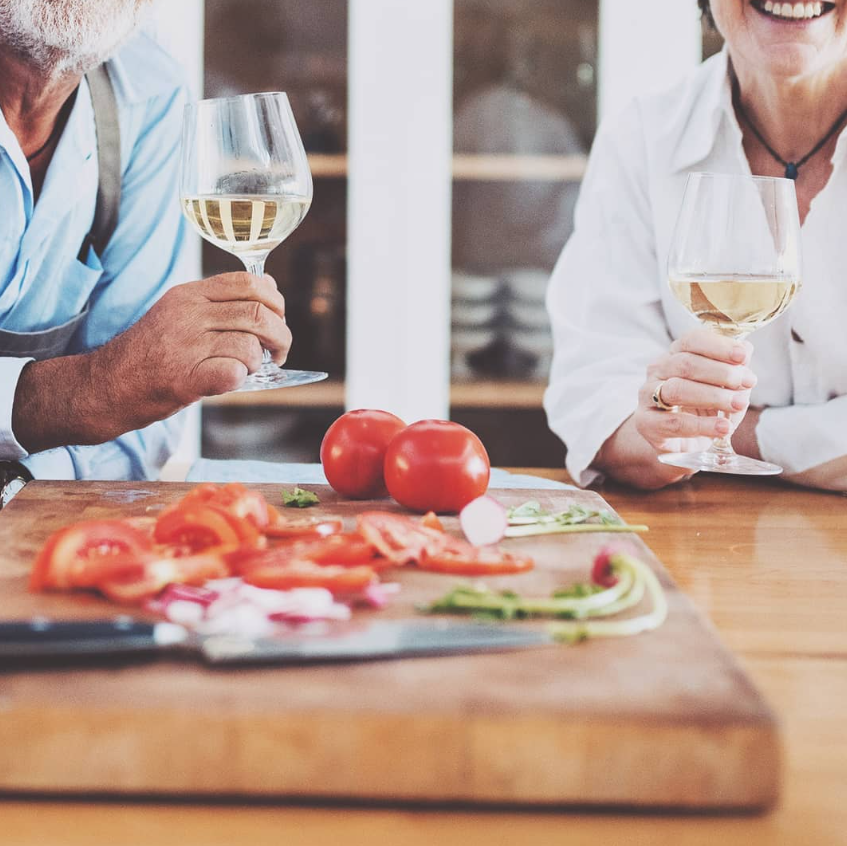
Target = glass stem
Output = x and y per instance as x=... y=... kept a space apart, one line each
x=722 y=445
x=256 y=266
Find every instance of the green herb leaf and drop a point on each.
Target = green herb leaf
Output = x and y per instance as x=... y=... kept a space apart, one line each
x=530 y=519
x=531 y=508
x=298 y=498
x=582 y=611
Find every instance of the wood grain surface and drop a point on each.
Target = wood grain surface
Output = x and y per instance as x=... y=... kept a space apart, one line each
x=663 y=719
x=806 y=685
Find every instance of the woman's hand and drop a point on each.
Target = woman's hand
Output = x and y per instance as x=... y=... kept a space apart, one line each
x=701 y=374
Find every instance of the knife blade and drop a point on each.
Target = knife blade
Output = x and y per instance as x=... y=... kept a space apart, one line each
x=326 y=642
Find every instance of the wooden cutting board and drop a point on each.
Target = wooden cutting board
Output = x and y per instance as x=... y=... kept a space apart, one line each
x=664 y=719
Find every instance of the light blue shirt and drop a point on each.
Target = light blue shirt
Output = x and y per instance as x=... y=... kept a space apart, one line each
x=43 y=284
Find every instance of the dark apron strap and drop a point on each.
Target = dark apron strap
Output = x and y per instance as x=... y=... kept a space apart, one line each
x=109 y=162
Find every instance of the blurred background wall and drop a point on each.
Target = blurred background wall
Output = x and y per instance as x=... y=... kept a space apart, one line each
x=447 y=140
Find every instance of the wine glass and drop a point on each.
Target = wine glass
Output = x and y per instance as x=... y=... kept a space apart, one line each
x=734 y=263
x=245 y=186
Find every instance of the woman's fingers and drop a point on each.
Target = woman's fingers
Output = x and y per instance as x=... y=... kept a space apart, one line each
x=702 y=374
x=698 y=368
x=695 y=395
x=658 y=427
x=705 y=342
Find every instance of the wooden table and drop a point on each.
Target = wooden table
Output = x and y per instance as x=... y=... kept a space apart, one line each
x=767 y=563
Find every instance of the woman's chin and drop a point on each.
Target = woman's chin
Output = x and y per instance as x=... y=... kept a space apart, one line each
x=788 y=59
x=789 y=48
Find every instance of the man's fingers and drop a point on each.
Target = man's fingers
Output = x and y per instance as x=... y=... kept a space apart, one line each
x=242 y=346
x=253 y=318
x=705 y=342
x=213 y=376
x=228 y=287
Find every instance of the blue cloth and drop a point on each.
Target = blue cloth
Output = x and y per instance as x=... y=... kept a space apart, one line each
x=43 y=284
x=208 y=470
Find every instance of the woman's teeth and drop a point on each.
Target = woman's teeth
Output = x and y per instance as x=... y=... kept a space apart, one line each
x=793 y=11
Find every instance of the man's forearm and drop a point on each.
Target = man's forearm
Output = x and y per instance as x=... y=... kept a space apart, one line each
x=65 y=401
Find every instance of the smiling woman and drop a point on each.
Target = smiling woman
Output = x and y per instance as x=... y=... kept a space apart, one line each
x=772 y=103
x=786 y=11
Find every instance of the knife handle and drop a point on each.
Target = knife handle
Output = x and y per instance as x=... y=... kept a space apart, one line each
x=43 y=638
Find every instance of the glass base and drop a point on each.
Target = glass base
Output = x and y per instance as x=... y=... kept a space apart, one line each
x=270 y=376
x=716 y=462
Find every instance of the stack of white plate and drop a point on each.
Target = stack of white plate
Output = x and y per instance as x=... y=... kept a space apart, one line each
x=477 y=318
x=527 y=315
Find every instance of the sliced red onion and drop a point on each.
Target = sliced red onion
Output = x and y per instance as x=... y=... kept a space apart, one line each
x=230 y=606
x=186 y=593
x=484 y=521
x=337 y=612
x=246 y=620
x=225 y=585
x=378 y=594
x=185 y=612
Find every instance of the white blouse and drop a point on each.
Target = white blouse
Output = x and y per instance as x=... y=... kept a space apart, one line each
x=613 y=313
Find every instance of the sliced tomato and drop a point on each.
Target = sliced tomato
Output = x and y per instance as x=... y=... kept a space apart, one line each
x=462 y=559
x=302 y=527
x=431 y=521
x=204 y=492
x=345 y=550
x=198 y=526
x=72 y=556
x=249 y=505
x=233 y=497
x=142 y=579
x=308 y=574
x=398 y=538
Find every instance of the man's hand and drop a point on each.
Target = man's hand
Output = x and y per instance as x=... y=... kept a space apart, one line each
x=199 y=339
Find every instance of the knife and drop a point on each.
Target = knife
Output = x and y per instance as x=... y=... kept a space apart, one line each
x=40 y=639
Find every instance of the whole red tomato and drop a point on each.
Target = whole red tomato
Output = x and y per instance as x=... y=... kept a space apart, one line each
x=437 y=466
x=353 y=451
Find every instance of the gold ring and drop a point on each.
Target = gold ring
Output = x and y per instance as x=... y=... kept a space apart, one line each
x=658 y=401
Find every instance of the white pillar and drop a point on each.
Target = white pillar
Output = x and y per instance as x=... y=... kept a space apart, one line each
x=399 y=201
x=644 y=46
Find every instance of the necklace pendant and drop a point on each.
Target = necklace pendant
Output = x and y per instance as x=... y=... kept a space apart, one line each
x=791 y=171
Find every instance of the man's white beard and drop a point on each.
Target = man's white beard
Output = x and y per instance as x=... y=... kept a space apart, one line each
x=67 y=36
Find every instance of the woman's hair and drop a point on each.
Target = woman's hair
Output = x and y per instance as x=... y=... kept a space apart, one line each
x=706 y=10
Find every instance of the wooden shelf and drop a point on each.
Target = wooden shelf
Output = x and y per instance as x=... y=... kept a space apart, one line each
x=473 y=168
x=326 y=394
x=331 y=166
x=489 y=393
x=518 y=168
x=497 y=393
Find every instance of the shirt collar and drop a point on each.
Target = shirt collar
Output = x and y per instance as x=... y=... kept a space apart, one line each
x=702 y=115
x=76 y=145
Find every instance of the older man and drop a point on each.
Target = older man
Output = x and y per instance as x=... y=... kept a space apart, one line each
x=98 y=347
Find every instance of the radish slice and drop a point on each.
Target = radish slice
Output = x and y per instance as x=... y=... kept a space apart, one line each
x=484 y=521
x=378 y=594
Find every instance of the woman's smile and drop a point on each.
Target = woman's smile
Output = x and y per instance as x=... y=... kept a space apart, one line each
x=793 y=13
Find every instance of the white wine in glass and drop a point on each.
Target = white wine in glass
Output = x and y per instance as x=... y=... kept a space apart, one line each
x=245 y=186
x=735 y=265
